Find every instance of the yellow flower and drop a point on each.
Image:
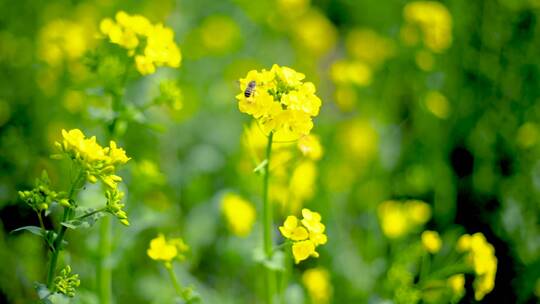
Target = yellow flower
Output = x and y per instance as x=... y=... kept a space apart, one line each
x=351 y=72
x=302 y=184
x=310 y=146
x=63 y=39
x=95 y=160
x=457 y=283
x=132 y=31
x=165 y=250
x=399 y=218
x=291 y=230
x=317 y=282
x=437 y=104
x=239 y=213
x=314 y=33
x=312 y=221
x=280 y=101
x=435 y=22
x=303 y=249
x=306 y=234
x=431 y=241
x=481 y=256
x=368 y=46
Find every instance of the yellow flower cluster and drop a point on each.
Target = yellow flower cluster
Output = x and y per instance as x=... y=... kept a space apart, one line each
x=61 y=40
x=239 y=213
x=431 y=241
x=152 y=45
x=97 y=162
x=165 y=250
x=400 y=218
x=306 y=234
x=280 y=101
x=481 y=255
x=434 y=21
x=317 y=282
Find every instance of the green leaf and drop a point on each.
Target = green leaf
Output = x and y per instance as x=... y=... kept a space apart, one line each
x=32 y=229
x=261 y=167
x=43 y=292
x=83 y=222
x=276 y=262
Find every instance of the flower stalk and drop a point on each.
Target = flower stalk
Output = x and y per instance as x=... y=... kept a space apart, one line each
x=268 y=224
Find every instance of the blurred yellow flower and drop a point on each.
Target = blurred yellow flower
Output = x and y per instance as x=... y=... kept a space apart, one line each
x=279 y=101
x=317 y=282
x=434 y=21
x=165 y=250
x=219 y=34
x=310 y=146
x=306 y=234
x=367 y=46
x=239 y=213
x=437 y=104
x=152 y=45
x=528 y=135
x=314 y=33
x=302 y=184
x=351 y=72
x=481 y=256
x=399 y=218
x=293 y=8
x=424 y=60
x=359 y=139
x=457 y=283
x=431 y=241
x=63 y=39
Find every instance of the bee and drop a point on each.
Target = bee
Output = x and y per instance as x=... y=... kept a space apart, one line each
x=250 y=89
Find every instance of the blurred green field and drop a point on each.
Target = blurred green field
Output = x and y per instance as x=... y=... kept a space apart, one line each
x=430 y=121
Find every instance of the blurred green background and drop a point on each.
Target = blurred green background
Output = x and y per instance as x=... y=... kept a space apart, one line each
x=449 y=115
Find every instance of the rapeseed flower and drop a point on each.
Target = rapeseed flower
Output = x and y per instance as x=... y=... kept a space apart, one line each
x=152 y=45
x=481 y=256
x=96 y=162
x=166 y=251
x=280 y=101
x=431 y=241
x=310 y=146
x=399 y=218
x=434 y=21
x=239 y=213
x=317 y=283
x=306 y=234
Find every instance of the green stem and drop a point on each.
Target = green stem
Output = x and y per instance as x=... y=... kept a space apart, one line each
x=174 y=280
x=268 y=224
x=56 y=250
x=40 y=220
x=57 y=244
x=104 y=276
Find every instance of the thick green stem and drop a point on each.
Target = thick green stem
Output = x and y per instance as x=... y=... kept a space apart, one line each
x=56 y=251
x=174 y=280
x=268 y=225
x=104 y=276
x=57 y=244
